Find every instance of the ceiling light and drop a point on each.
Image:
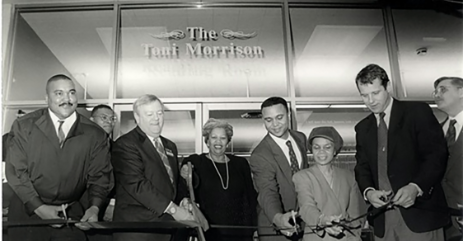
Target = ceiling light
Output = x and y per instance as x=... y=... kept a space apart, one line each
x=312 y=106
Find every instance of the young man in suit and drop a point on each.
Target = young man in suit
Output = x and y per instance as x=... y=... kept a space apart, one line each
x=401 y=151
x=147 y=175
x=54 y=156
x=448 y=94
x=273 y=162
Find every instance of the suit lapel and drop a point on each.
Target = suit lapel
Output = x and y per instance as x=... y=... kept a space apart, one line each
x=279 y=157
x=170 y=156
x=395 y=125
x=456 y=153
x=152 y=152
x=45 y=124
x=371 y=136
x=300 y=145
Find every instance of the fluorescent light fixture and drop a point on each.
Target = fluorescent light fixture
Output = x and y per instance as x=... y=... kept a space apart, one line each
x=433 y=105
x=348 y=106
x=312 y=106
x=434 y=39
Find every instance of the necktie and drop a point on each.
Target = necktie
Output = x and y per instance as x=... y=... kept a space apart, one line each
x=61 y=135
x=451 y=133
x=165 y=160
x=292 y=158
x=383 y=178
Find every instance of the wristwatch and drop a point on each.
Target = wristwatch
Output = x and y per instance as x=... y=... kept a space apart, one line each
x=172 y=210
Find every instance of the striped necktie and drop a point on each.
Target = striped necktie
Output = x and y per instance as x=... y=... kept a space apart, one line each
x=292 y=158
x=165 y=160
x=451 y=133
x=61 y=135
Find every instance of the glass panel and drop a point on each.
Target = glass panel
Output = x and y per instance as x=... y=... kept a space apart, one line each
x=430 y=46
x=196 y=52
x=75 y=43
x=332 y=45
x=179 y=127
x=247 y=132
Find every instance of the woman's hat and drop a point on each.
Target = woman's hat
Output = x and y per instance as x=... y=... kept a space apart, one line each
x=327 y=132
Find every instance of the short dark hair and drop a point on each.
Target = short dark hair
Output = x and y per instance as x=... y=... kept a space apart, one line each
x=275 y=100
x=56 y=78
x=371 y=72
x=96 y=108
x=456 y=81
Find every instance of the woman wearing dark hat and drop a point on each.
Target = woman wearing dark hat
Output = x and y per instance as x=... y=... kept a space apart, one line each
x=326 y=193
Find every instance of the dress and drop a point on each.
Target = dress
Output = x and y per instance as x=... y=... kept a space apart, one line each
x=234 y=206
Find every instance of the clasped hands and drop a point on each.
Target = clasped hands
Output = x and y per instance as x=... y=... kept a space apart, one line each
x=53 y=212
x=405 y=197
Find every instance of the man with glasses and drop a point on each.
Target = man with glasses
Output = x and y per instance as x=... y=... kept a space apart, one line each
x=448 y=95
x=104 y=116
x=401 y=159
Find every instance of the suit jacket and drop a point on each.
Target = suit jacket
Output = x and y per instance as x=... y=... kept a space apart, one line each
x=316 y=197
x=417 y=153
x=452 y=182
x=143 y=186
x=273 y=179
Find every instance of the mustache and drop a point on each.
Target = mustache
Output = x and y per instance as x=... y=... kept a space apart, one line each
x=66 y=103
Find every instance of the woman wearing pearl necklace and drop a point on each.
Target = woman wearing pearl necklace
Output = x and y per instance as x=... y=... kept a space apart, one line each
x=223 y=185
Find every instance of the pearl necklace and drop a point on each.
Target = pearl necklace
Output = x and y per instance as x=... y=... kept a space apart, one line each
x=224 y=186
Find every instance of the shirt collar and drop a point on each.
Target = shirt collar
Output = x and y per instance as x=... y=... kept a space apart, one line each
x=55 y=119
x=386 y=111
x=458 y=118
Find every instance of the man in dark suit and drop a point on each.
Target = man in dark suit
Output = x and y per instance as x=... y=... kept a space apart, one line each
x=54 y=156
x=401 y=151
x=147 y=175
x=448 y=95
x=273 y=162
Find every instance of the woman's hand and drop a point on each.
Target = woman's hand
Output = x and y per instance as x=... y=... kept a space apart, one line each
x=184 y=172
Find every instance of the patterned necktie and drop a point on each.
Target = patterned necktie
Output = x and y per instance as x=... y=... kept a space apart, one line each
x=292 y=158
x=165 y=160
x=382 y=154
x=451 y=133
x=61 y=135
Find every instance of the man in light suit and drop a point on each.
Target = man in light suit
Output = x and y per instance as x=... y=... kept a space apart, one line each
x=273 y=162
x=401 y=150
x=147 y=175
x=448 y=95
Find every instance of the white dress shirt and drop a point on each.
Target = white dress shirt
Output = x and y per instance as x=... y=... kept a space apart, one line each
x=282 y=144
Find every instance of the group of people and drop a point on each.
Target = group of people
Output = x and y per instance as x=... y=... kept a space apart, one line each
x=63 y=165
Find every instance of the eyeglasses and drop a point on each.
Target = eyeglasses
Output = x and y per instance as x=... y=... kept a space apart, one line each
x=442 y=89
x=108 y=118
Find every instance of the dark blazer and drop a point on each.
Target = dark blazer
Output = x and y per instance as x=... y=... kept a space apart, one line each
x=452 y=182
x=143 y=186
x=273 y=179
x=417 y=153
